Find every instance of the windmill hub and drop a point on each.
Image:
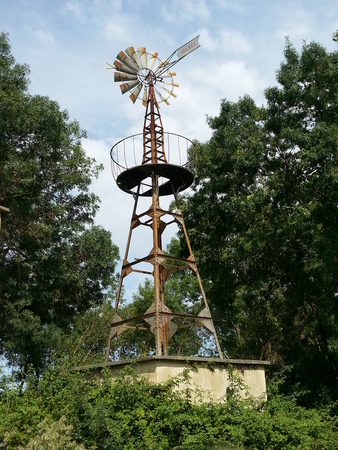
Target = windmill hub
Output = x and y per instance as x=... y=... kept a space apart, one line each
x=147 y=77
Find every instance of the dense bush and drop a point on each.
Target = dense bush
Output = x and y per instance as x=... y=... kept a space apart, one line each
x=70 y=410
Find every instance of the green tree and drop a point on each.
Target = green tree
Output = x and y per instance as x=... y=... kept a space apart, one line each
x=263 y=222
x=54 y=264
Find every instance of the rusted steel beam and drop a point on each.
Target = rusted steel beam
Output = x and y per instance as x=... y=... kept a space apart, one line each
x=163 y=313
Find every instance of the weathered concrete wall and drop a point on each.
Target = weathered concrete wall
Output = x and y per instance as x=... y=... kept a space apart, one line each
x=207 y=375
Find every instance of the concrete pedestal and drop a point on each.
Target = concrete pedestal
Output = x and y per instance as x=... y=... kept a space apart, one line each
x=208 y=376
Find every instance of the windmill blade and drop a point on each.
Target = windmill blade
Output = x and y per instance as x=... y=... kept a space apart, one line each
x=131 y=52
x=169 y=92
x=126 y=87
x=171 y=84
x=110 y=66
x=152 y=59
x=163 y=99
x=122 y=67
x=127 y=61
x=136 y=92
x=168 y=75
x=145 y=97
x=118 y=76
x=142 y=54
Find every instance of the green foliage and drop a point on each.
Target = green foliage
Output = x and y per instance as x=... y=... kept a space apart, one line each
x=263 y=223
x=335 y=36
x=53 y=437
x=130 y=413
x=86 y=342
x=54 y=264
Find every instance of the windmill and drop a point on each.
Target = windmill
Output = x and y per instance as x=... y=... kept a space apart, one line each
x=144 y=166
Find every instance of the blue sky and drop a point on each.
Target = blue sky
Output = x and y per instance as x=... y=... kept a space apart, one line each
x=67 y=43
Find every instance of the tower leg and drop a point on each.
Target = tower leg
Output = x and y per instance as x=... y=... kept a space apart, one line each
x=194 y=267
x=123 y=273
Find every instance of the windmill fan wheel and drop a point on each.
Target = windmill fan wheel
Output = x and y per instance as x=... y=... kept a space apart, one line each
x=136 y=70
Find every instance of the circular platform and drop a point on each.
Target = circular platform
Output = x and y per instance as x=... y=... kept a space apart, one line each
x=172 y=179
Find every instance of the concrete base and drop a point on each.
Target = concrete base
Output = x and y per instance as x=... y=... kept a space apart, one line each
x=208 y=376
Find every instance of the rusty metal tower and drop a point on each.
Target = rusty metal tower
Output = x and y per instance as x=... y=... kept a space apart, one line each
x=149 y=166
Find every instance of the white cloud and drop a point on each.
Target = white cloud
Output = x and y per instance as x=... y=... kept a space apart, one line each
x=74 y=8
x=177 y=11
x=44 y=37
x=116 y=29
x=206 y=39
x=233 y=42
x=296 y=25
x=226 y=41
x=230 y=5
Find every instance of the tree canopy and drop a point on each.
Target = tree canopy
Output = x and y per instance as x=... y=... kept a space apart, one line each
x=54 y=263
x=263 y=222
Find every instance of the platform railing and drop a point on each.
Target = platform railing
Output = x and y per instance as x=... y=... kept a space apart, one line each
x=128 y=152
